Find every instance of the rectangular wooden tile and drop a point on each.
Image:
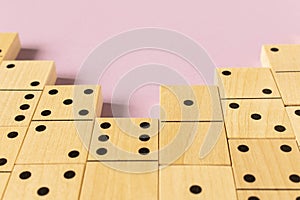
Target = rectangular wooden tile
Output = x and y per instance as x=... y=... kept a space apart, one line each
x=281 y=57
x=288 y=84
x=196 y=182
x=256 y=118
x=11 y=139
x=4 y=177
x=101 y=181
x=268 y=194
x=45 y=182
x=9 y=46
x=38 y=74
x=69 y=102
x=190 y=103
x=265 y=164
x=180 y=143
x=56 y=142
x=124 y=139
x=294 y=115
x=246 y=83
x=17 y=107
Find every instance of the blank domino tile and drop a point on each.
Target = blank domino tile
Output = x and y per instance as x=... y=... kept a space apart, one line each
x=281 y=57
x=10 y=143
x=288 y=84
x=124 y=139
x=52 y=142
x=265 y=164
x=190 y=103
x=45 y=182
x=196 y=182
x=72 y=102
x=17 y=107
x=9 y=46
x=268 y=195
x=38 y=74
x=103 y=182
x=246 y=83
x=252 y=118
x=180 y=143
x=294 y=115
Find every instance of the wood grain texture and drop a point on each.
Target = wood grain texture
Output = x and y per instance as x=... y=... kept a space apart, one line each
x=252 y=118
x=246 y=83
x=288 y=84
x=11 y=140
x=49 y=176
x=4 y=177
x=103 y=182
x=180 y=143
x=119 y=139
x=9 y=45
x=69 y=102
x=17 y=107
x=271 y=162
x=216 y=182
x=26 y=75
x=281 y=57
x=50 y=142
x=268 y=195
x=203 y=103
x=294 y=115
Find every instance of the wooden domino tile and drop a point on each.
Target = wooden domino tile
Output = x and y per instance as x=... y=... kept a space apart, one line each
x=294 y=115
x=45 y=182
x=265 y=164
x=103 y=182
x=17 y=107
x=124 y=139
x=252 y=118
x=281 y=57
x=190 y=103
x=268 y=194
x=72 y=102
x=196 y=182
x=4 y=177
x=180 y=143
x=11 y=140
x=56 y=142
x=38 y=74
x=288 y=84
x=246 y=83
x=9 y=46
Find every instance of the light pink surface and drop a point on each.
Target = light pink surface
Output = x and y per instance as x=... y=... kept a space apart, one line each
x=231 y=31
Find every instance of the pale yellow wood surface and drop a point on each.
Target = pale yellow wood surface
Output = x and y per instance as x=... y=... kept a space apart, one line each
x=49 y=176
x=11 y=111
x=11 y=140
x=123 y=139
x=103 y=182
x=240 y=124
x=294 y=115
x=55 y=141
x=268 y=161
x=204 y=103
x=180 y=143
x=4 y=177
x=216 y=183
x=268 y=195
x=281 y=57
x=89 y=104
x=288 y=84
x=246 y=83
x=27 y=75
x=10 y=45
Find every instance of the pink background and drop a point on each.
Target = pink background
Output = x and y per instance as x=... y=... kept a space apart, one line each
x=231 y=31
